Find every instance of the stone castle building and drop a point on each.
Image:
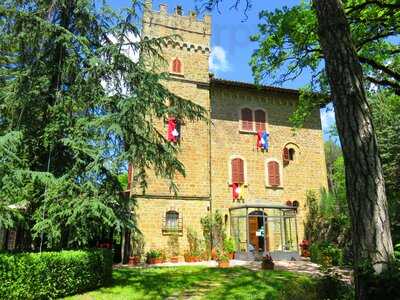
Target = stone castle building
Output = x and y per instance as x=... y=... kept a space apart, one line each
x=247 y=163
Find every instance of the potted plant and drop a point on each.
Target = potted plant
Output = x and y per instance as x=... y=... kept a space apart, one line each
x=173 y=245
x=229 y=247
x=137 y=248
x=154 y=257
x=267 y=262
x=194 y=252
x=222 y=259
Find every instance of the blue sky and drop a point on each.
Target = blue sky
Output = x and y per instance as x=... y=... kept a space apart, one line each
x=230 y=42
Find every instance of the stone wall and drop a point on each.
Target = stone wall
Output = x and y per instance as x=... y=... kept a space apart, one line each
x=306 y=172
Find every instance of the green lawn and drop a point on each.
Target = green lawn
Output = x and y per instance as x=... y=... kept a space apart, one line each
x=205 y=283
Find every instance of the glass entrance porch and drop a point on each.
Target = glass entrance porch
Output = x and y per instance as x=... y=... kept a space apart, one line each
x=258 y=229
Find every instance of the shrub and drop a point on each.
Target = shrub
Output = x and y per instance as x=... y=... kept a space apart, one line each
x=229 y=245
x=50 y=275
x=326 y=254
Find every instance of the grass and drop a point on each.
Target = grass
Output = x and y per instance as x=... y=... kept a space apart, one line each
x=204 y=283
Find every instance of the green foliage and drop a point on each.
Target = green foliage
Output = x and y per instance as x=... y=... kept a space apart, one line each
x=213 y=230
x=153 y=253
x=50 y=275
x=326 y=254
x=229 y=245
x=384 y=285
x=215 y=283
x=194 y=243
x=81 y=109
x=288 y=45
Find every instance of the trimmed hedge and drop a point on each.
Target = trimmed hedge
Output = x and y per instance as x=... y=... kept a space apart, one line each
x=50 y=275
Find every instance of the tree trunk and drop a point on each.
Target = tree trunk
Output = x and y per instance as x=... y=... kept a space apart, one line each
x=366 y=196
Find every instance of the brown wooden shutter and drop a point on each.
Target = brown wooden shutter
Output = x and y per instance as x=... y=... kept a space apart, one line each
x=237 y=170
x=259 y=116
x=273 y=173
x=247 y=119
x=285 y=155
x=176 y=66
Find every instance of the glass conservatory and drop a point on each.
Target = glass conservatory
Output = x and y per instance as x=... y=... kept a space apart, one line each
x=264 y=228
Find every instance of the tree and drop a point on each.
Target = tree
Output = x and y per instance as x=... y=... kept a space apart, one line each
x=83 y=109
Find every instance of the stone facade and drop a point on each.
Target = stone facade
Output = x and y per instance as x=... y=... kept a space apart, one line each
x=207 y=185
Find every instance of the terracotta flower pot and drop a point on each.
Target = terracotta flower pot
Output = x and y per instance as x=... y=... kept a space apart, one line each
x=223 y=264
x=153 y=261
x=174 y=259
x=133 y=260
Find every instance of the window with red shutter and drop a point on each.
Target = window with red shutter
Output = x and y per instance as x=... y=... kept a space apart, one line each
x=176 y=66
x=237 y=170
x=259 y=116
x=247 y=119
x=273 y=174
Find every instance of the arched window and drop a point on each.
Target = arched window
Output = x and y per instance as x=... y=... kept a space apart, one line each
x=273 y=174
x=259 y=116
x=247 y=119
x=171 y=220
x=176 y=66
x=237 y=171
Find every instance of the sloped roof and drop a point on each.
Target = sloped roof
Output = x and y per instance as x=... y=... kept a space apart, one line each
x=239 y=84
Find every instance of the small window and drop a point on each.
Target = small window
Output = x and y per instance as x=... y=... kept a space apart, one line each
x=273 y=174
x=176 y=66
x=291 y=154
x=259 y=116
x=171 y=220
x=237 y=171
x=172 y=223
x=247 y=119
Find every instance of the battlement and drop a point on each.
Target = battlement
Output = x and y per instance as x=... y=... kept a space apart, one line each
x=191 y=28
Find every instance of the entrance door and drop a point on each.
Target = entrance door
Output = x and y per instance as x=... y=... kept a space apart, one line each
x=257 y=232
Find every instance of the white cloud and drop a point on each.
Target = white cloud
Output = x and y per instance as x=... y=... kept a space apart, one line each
x=218 y=61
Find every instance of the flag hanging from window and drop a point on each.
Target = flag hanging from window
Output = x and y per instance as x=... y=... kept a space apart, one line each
x=236 y=191
x=262 y=139
x=173 y=130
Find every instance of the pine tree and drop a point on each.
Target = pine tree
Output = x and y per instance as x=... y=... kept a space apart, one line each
x=83 y=109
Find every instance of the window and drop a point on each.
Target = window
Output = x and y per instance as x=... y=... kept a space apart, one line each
x=172 y=223
x=176 y=66
x=291 y=153
x=247 y=119
x=237 y=170
x=171 y=220
x=259 y=116
x=273 y=170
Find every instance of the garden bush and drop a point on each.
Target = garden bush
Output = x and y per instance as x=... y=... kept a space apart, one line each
x=326 y=254
x=50 y=275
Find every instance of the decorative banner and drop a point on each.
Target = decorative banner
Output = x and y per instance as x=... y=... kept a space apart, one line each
x=236 y=191
x=172 y=133
x=262 y=140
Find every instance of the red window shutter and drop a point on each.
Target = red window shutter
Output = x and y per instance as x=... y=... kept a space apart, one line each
x=176 y=66
x=285 y=155
x=129 y=176
x=273 y=173
x=259 y=116
x=237 y=170
x=247 y=119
